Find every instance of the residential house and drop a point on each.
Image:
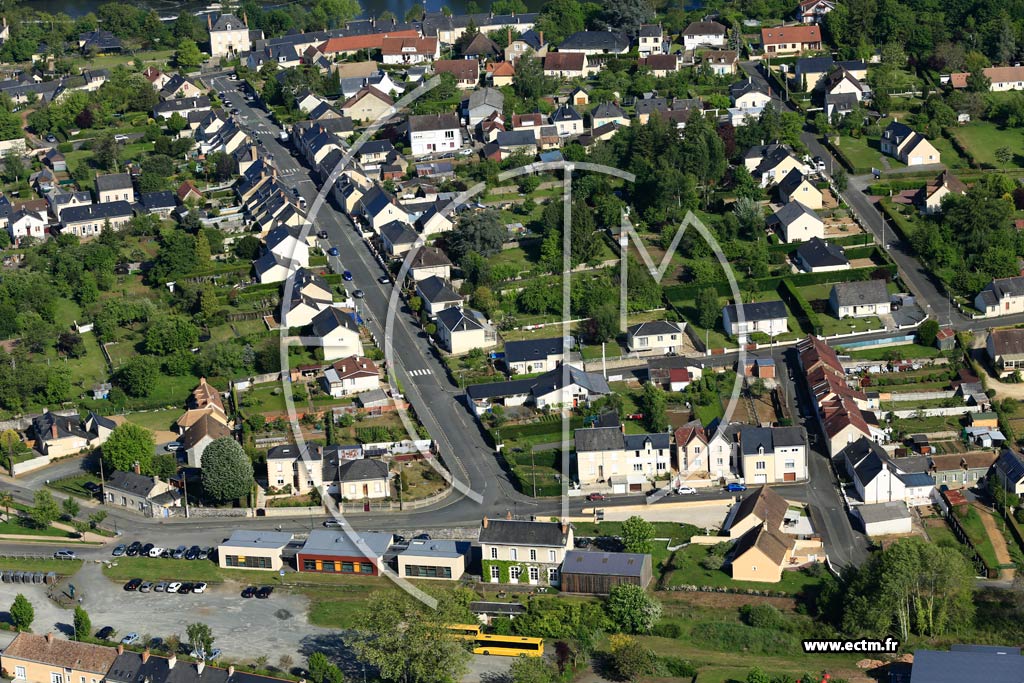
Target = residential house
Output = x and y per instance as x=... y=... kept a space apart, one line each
x=58 y=435
x=433 y=559
x=99 y=42
x=557 y=387
x=1009 y=471
x=878 y=479
x=1001 y=78
x=790 y=40
x=369 y=104
x=596 y=43
x=652 y=40
x=794 y=222
x=482 y=103
x=430 y=261
x=341 y=46
x=337 y=333
x=333 y=552
x=500 y=74
x=229 y=36
x=811 y=73
x=32 y=658
x=437 y=295
x=410 y=50
x=657 y=337
x=364 y=479
x=55 y=160
x=114 y=187
x=530 y=356
x=597 y=573
x=61 y=200
x=350 y=375
x=703 y=34
x=961 y=470
x=860 y=299
x=769 y=455
x=769 y=318
x=567 y=121
x=299 y=470
x=929 y=197
x=481 y=48
x=200 y=434
x=254 y=549
x=601 y=454
x=184 y=107
x=524 y=552
x=187 y=192
x=434 y=133
x=769 y=164
x=721 y=62
x=25 y=222
x=763 y=551
x=460 y=331
x=398 y=238
x=465 y=71
x=379 y=208
x=1002 y=296
x=512 y=142
x=842 y=82
x=813 y=11
x=529 y=42
x=565 y=65
x=797 y=187
x=818 y=256
x=660 y=66
x=691 y=446
x=204 y=400
x=608 y=112
x=310 y=294
x=149 y=495
x=900 y=141
x=434 y=221
x=1006 y=350
x=155 y=76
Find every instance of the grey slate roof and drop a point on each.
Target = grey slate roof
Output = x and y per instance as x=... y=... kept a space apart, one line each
x=817 y=253
x=228 y=21
x=591 y=439
x=753 y=438
x=532 y=349
x=789 y=213
x=604 y=564
x=428 y=122
x=129 y=482
x=737 y=90
x=456 y=320
x=653 y=327
x=437 y=290
x=75 y=214
x=638 y=442
x=883 y=512
x=255 y=538
x=607 y=110
x=607 y=41
x=330 y=319
x=763 y=310
x=999 y=666
x=861 y=292
x=397 y=233
x=113 y=181
x=523 y=533
x=329 y=542
x=362 y=470
x=516 y=138
x=565 y=113
x=436 y=548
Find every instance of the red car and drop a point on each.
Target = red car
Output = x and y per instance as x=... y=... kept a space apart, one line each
x=595 y=496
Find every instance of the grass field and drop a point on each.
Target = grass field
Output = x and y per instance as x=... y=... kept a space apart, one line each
x=864 y=152
x=62 y=567
x=983 y=138
x=74 y=485
x=22 y=527
x=155 y=420
x=889 y=352
x=689 y=572
x=156 y=569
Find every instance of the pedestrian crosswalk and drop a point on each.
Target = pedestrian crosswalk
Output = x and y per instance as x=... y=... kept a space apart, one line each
x=420 y=372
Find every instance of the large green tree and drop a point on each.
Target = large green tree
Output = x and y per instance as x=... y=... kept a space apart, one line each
x=128 y=444
x=44 y=509
x=637 y=535
x=200 y=637
x=482 y=232
x=22 y=613
x=632 y=609
x=138 y=375
x=227 y=470
x=82 y=623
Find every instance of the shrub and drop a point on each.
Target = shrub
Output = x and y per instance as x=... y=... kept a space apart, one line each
x=668 y=629
x=678 y=667
x=762 y=616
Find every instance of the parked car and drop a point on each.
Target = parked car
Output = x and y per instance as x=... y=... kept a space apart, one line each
x=64 y=555
x=384 y=280
x=133 y=549
x=160 y=587
x=173 y=586
x=347 y=276
x=199 y=587
x=591 y=497
x=333 y=251
x=156 y=551
x=92 y=487
x=119 y=550
x=263 y=592
x=735 y=487
x=205 y=553
x=51 y=138
x=185 y=588
x=193 y=553
x=167 y=553
x=179 y=552
x=322 y=234
x=133 y=584
x=332 y=523
x=685 y=491
x=144 y=550
x=121 y=138
x=146 y=587
x=582 y=542
x=248 y=592
x=130 y=639
x=421 y=537
x=358 y=293
x=172 y=446
x=106 y=633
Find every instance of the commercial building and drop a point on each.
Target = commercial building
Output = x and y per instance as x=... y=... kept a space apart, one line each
x=253 y=549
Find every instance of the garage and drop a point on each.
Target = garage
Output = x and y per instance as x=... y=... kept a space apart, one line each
x=885 y=519
x=760 y=478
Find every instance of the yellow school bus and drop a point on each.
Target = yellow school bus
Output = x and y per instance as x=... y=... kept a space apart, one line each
x=490 y=644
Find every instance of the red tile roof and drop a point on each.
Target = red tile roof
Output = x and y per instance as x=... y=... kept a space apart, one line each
x=462 y=69
x=369 y=41
x=791 y=34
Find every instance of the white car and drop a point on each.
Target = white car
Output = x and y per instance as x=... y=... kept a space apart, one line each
x=199 y=587
x=121 y=137
x=173 y=586
x=156 y=552
x=685 y=491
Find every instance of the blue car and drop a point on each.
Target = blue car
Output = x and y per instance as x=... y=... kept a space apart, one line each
x=333 y=251
x=347 y=276
x=735 y=487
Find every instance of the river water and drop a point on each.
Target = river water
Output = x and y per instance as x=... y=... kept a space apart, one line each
x=170 y=8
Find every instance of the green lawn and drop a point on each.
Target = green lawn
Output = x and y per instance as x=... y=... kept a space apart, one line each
x=157 y=569
x=972 y=524
x=939 y=423
x=689 y=572
x=983 y=138
x=264 y=398
x=74 y=485
x=62 y=567
x=155 y=420
x=864 y=152
x=676 y=533
x=22 y=527
x=950 y=157
x=889 y=352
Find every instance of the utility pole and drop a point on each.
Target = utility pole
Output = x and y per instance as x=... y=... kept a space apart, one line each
x=184 y=481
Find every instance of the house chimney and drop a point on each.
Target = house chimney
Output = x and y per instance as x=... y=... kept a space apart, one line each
x=231 y=671
x=145 y=655
x=200 y=665
x=245 y=19
x=209 y=22
x=120 y=648
x=171 y=661
x=486 y=521
x=509 y=33
x=254 y=153
x=137 y=467
x=540 y=35
x=49 y=637
x=508 y=514
x=565 y=528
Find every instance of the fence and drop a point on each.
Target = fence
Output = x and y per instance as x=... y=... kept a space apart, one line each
x=887 y=341
x=930 y=412
x=34 y=464
x=918 y=395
